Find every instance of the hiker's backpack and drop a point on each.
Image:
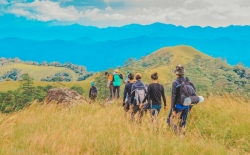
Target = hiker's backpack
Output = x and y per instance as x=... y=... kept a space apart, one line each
x=186 y=89
x=140 y=94
x=93 y=93
x=117 y=80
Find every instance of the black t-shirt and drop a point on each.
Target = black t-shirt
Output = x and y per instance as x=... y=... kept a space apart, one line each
x=155 y=93
x=127 y=91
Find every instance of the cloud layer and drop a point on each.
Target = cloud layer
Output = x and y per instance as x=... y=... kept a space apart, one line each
x=120 y=12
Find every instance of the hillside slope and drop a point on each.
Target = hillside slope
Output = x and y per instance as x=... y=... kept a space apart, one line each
x=37 y=72
x=217 y=126
x=210 y=75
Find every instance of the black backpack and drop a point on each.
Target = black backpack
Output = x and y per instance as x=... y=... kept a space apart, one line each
x=93 y=93
x=187 y=89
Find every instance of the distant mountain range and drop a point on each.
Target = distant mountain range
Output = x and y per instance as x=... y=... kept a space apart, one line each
x=102 y=48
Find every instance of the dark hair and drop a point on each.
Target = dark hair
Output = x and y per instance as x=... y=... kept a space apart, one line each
x=106 y=73
x=131 y=76
x=138 y=76
x=154 y=76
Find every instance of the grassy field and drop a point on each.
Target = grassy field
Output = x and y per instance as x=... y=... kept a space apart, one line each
x=37 y=72
x=13 y=85
x=220 y=125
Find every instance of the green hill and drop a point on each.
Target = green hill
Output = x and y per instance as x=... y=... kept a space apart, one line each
x=13 y=69
x=37 y=72
x=210 y=75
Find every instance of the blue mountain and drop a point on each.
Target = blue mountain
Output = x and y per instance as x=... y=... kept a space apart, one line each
x=102 y=55
x=129 y=31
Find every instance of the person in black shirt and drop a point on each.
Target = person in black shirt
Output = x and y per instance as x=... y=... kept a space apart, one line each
x=127 y=92
x=155 y=94
x=93 y=92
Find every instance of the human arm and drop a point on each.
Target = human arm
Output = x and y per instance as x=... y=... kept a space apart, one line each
x=163 y=96
x=147 y=94
x=132 y=95
x=125 y=93
x=113 y=79
x=89 y=92
x=121 y=76
x=173 y=96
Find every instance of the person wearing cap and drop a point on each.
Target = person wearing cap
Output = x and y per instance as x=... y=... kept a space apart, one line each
x=110 y=84
x=176 y=107
x=117 y=77
x=93 y=91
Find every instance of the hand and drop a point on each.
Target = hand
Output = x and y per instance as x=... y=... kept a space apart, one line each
x=131 y=107
x=141 y=106
x=165 y=108
x=173 y=113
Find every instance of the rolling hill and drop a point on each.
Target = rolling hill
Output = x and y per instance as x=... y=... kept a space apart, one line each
x=210 y=75
x=13 y=69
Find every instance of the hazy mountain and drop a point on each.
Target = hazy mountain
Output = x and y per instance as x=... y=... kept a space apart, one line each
x=124 y=32
x=102 y=55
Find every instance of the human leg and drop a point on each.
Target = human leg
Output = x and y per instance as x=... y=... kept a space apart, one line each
x=114 y=91
x=111 y=91
x=118 y=91
x=155 y=110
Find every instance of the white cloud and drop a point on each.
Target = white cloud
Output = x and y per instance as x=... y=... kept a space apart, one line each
x=180 y=12
x=108 y=8
x=3 y=2
x=44 y=11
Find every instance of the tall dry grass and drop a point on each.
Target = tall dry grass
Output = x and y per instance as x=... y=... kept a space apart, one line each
x=219 y=126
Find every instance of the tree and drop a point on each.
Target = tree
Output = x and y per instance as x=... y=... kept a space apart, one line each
x=78 y=89
x=130 y=62
x=26 y=81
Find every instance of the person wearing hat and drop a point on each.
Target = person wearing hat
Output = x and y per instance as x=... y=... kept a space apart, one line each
x=176 y=107
x=117 y=77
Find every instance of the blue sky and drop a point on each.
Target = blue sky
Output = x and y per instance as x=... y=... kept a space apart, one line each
x=104 y=13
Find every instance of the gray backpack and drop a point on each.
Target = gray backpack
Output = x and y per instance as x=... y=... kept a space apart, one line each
x=140 y=94
x=187 y=89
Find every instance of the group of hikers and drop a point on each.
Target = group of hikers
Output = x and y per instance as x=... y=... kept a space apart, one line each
x=139 y=97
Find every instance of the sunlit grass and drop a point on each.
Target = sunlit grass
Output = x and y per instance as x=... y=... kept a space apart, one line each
x=218 y=126
x=37 y=72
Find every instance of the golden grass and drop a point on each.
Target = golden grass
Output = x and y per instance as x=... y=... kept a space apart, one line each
x=37 y=72
x=218 y=126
